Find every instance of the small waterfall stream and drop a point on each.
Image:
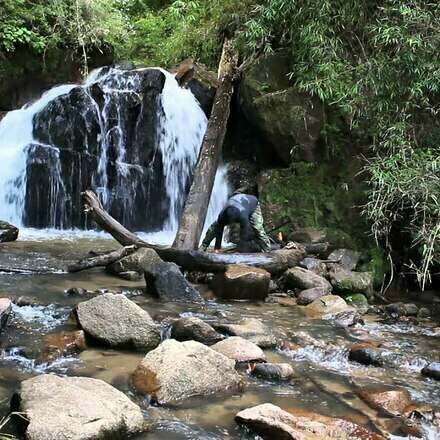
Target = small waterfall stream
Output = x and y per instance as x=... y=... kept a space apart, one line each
x=133 y=136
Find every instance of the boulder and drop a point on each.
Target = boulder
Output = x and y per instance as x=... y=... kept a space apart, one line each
x=175 y=371
x=76 y=408
x=5 y=311
x=242 y=282
x=283 y=115
x=187 y=329
x=251 y=329
x=309 y=295
x=358 y=300
x=347 y=282
x=8 y=232
x=346 y=258
x=271 y=422
x=277 y=372
x=347 y=318
x=116 y=321
x=401 y=309
x=326 y=307
x=392 y=402
x=432 y=370
x=61 y=344
x=239 y=349
x=138 y=261
x=366 y=355
x=314 y=265
x=300 y=278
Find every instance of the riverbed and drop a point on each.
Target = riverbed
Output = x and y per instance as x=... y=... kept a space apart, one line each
x=325 y=380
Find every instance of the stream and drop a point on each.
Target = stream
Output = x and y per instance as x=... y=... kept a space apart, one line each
x=325 y=380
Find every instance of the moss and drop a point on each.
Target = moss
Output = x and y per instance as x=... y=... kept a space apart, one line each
x=379 y=266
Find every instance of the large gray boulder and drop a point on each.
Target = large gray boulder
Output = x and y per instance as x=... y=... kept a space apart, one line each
x=251 y=329
x=309 y=295
x=347 y=258
x=348 y=282
x=176 y=371
x=271 y=422
x=76 y=408
x=301 y=278
x=326 y=307
x=116 y=321
x=187 y=329
x=239 y=349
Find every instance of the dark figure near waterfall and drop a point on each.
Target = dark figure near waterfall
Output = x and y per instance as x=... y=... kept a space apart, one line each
x=245 y=210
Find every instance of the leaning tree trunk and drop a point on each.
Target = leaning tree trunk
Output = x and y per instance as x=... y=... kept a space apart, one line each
x=196 y=205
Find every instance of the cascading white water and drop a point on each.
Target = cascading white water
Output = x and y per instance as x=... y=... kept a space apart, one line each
x=181 y=124
x=16 y=133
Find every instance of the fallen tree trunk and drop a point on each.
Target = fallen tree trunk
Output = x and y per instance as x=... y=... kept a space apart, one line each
x=274 y=262
x=101 y=260
x=196 y=205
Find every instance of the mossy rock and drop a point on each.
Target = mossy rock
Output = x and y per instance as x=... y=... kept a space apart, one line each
x=357 y=299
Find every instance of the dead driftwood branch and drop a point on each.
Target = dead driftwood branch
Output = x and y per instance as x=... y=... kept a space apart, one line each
x=274 y=262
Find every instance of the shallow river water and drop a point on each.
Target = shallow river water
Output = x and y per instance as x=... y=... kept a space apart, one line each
x=325 y=380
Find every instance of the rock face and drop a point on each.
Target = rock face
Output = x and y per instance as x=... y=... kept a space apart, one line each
x=251 y=329
x=346 y=282
x=278 y=372
x=89 y=123
x=8 y=232
x=301 y=278
x=326 y=307
x=77 y=408
x=5 y=311
x=271 y=422
x=239 y=349
x=116 y=321
x=175 y=371
x=284 y=116
x=187 y=329
x=309 y=295
x=242 y=282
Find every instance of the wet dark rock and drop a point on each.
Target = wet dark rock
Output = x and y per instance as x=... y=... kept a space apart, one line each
x=432 y=370
x=347 y=319
x=309 y=295
x=396 y=310
x=76 y=291
x=240 y=350
x=242 y=282
x=187 y=329
x=8 y=232
x=271 y=422
x=314 y=265
x=251 y=329
x=25 y=301
x=79 y=408
x=176 y=371
x=116 y=321
x=346 y=258
x=301 y=278
x=347 y=282
x=67 y=133
x=61 y=344
x=277 y=372
x=366 y=355
x=5 y=311
x=273 y=287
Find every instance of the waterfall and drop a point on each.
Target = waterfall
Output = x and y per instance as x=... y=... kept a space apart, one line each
x=133 y=136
